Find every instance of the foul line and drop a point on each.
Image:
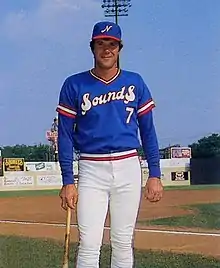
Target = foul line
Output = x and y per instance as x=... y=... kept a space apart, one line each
x=108 y=228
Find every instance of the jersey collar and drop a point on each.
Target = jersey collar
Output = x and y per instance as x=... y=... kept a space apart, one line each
x=103 y=80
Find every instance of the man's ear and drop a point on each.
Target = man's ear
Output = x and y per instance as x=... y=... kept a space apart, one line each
x=92 y=45
x=120 y=46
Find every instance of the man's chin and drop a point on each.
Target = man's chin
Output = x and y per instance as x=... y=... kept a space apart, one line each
x=107 y=66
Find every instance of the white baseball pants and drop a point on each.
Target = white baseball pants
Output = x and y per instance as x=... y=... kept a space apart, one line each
x=108 y=182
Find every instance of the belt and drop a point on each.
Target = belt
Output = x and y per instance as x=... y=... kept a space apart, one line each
x=108 y=157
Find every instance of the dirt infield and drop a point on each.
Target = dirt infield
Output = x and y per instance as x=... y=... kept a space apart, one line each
x=47 y=210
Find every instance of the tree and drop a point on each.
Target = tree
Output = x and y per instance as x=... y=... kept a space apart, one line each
x=36 y=153
x=206 y=147
x=141 y=152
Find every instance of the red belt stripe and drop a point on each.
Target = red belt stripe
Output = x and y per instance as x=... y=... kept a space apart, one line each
x=108 y=158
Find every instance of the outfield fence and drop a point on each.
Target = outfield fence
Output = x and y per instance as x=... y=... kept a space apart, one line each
x=47 y=175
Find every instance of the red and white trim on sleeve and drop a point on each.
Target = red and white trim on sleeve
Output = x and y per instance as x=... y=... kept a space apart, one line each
x=146 y=107
x=64 y=110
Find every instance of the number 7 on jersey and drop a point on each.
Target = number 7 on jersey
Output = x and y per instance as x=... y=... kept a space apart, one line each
x=130 y=111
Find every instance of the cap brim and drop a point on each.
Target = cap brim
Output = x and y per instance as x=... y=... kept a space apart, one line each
x=106 y=37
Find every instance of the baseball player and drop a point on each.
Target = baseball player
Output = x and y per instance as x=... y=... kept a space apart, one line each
x=109 y=106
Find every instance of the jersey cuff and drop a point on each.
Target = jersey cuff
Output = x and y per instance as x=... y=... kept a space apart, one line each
x=146 y=107
x=154 y=171
x=68 y=179
x=66 y=111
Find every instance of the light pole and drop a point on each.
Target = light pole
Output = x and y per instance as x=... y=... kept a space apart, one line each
x=116 y=8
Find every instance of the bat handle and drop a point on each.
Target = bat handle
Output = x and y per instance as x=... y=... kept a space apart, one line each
x=67 y=239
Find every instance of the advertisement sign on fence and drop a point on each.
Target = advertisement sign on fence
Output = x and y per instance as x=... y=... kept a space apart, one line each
x=180 y=152
x=14 y=164
x=18 y=181
x=179 y=176
x=41 y=166
x=49 y=180
x=1 y=167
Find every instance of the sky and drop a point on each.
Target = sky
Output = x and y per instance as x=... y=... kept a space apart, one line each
x=173 y=44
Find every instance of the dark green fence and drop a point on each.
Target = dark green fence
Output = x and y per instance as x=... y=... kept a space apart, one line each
x=205 y=170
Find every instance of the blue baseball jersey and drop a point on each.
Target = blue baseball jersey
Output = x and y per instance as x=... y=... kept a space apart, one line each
x=107 y=116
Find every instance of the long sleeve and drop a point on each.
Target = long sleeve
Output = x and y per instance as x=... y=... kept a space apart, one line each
x=147 y=131
x=66 y=119
x=150 y=144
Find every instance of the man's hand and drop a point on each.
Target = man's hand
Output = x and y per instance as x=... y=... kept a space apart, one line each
x=153 y=189
x=69 y=196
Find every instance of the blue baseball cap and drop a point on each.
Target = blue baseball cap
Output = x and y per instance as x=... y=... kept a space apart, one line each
x=106 y=29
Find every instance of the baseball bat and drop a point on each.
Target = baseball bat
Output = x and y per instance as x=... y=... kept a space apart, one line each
x=67 y=239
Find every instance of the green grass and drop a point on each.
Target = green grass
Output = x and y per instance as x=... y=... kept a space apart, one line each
x=205 y=216
x=56 y=191
x=28 y=193
x=193 y=187
x=20 y=252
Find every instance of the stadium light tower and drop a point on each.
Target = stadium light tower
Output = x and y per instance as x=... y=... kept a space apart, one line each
x=116 y=8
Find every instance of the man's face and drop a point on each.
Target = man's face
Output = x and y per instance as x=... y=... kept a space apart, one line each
x=106 y=52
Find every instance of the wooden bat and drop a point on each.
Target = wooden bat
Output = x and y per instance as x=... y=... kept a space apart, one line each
x=67 y=240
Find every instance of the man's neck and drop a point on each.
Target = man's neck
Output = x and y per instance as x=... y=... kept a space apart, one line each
x=105 y=74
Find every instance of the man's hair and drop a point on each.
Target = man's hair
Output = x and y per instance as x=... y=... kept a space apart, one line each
x=92 y=45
